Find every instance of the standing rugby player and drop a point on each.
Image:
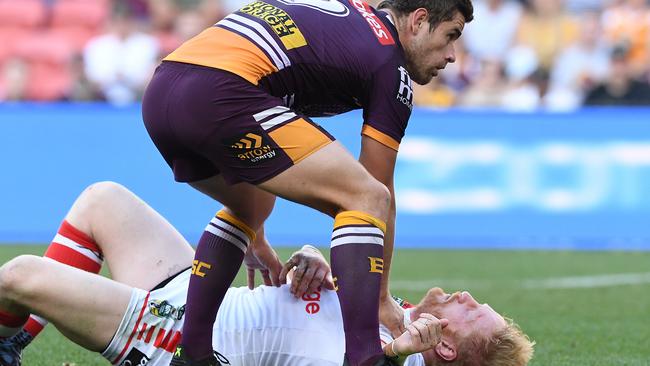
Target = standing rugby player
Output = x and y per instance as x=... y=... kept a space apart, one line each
x=230 y=111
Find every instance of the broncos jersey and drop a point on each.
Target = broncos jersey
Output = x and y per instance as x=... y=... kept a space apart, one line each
x=323 y=57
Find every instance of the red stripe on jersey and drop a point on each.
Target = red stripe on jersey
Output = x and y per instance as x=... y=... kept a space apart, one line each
x=135 y=329
x=12 y=321
x=71 y=257
x=158 y=343
x=407 y=305
x=78 y=236
x=173 y=342
x=142 y=330
x=147 y=339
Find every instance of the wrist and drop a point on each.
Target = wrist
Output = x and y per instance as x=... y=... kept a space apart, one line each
x=390 y=351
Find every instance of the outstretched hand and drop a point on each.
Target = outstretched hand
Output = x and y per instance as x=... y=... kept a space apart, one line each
x=311 y=271
x=260 y=256
x=421 y=335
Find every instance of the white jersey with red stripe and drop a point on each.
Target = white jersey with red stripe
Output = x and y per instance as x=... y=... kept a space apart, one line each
x=265 y=326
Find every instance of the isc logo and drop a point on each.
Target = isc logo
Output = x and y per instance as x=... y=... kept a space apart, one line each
x=199 y=268
x=313 y=300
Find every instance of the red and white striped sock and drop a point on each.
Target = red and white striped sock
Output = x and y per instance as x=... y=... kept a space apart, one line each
x=75 y=248
x=11 y=324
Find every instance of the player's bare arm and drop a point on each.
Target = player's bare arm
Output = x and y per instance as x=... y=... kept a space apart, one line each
x=379 y=160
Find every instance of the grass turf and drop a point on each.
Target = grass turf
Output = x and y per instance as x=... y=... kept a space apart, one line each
x=595 y=326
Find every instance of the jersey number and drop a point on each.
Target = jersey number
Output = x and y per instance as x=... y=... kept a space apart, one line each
x=331 y=7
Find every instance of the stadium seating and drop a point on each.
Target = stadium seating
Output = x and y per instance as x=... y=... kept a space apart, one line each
x=82 y=13
x=47 y=55
x=22 y=13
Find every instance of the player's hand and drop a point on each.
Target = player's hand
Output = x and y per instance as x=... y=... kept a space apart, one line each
x=391 y=315
x=260 y=256
x=421 y=335
x=311 y=271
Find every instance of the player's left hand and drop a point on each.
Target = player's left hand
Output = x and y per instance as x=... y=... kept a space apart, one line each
x=311 y=271
x=421 y=335
x=260 y=256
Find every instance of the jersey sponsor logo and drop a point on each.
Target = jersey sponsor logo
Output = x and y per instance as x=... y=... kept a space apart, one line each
x=376 y=265
x=279 y=21
x=198 y=268
x=313 y=299
x=250 y=141
x=378 y=28
x=405 y=91
x=135 y=358
x=329 y=7
x=163 y=309
x=251 y=148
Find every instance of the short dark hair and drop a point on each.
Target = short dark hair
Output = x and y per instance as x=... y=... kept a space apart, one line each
x=439 y=10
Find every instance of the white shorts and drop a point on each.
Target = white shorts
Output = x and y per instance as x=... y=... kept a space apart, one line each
x=266 y=326
x=151 y=326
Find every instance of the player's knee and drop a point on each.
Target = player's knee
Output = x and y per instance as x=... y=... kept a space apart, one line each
x=373 y=197
x=105 y=190
x=17 y=276
x=253 y=215
x=100 y=193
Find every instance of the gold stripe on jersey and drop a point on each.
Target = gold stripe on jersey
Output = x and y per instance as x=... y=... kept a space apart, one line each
x=358 y=218
x=279 y=21
x=222 y=49
x=299 y=139
x=380 y=137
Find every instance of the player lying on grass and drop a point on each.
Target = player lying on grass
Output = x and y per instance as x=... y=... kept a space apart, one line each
x=136 y=318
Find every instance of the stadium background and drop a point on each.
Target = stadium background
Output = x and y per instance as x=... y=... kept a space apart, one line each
x=531 y=154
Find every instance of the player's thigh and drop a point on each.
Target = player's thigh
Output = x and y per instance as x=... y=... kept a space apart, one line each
x=331 y=179
x=140 y=246
x=85 y=307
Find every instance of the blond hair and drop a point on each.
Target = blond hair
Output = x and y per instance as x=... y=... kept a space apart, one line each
x=508 y=346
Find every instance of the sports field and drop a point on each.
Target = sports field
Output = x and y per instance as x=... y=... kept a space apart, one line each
x=582 y=308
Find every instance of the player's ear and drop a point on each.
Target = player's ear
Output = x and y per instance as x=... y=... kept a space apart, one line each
x=446 y=350
x=418 y=19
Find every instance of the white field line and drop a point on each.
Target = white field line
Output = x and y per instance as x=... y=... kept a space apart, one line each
x=446 y=283
x=608 y=280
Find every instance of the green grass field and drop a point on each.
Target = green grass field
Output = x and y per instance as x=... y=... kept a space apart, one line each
x=582 y=308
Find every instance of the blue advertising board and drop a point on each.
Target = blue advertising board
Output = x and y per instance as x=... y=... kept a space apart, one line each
x=482 y=179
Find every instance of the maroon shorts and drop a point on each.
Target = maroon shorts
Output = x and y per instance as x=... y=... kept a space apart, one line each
x=206 y=121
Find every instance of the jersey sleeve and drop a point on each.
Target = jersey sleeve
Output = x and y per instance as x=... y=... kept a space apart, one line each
x=389 y=104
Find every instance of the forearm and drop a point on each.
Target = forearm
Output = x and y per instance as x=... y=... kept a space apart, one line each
x=389 y=243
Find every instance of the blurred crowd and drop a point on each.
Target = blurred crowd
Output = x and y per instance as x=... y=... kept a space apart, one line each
x=519 y=55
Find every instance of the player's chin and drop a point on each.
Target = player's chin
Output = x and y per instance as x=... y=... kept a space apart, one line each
x=424 y=79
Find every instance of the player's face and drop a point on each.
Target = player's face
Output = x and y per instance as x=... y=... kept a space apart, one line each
x=428 y=51
x=465 y=314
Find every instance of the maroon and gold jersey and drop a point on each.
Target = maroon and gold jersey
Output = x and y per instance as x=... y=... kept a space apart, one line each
x=323 y=57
